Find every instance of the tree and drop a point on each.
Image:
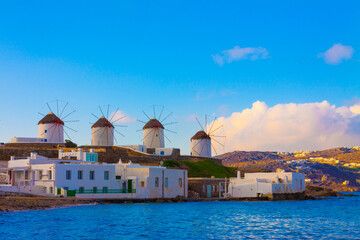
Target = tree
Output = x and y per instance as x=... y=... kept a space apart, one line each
x=70 y=144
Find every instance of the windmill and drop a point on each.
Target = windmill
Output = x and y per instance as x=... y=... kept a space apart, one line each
x=205 y=140
x=153 y=130
x=102 y=131
x=51 y=126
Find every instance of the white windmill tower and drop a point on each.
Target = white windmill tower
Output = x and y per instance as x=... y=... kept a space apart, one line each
x=201 y=143
x=153 y=134
x=51 y=126
x=153 y=130
x=102 y=131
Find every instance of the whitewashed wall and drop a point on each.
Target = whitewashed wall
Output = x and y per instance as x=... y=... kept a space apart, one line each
x=102 y=136
x=54 y=132
x=153 y=138
x=200 y=147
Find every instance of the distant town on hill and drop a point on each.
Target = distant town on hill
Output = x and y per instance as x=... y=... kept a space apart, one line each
x=336 y=168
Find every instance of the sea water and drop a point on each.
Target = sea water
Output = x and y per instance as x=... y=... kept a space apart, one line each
x=333 y=218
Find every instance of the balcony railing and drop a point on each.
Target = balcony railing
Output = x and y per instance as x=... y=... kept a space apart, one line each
x=104 y=191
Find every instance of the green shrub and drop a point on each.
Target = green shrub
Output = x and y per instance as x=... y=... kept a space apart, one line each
x=171 y=163
x=208 y=168
x=70 y=144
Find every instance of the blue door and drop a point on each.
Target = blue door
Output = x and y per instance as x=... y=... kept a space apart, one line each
x=208 y=191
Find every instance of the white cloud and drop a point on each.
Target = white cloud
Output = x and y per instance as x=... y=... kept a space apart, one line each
x=291 y=127
x=120 y=117
x=237 y=53
x=337 y=53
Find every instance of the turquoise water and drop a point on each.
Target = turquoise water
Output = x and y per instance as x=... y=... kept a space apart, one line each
x=331 y=218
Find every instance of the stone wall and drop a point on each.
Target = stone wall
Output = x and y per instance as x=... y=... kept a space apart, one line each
x=110 y=154
x=34 y=145
x=6 y=153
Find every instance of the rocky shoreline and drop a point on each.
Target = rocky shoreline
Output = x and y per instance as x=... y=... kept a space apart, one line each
x=316 y=192
x=10 y=202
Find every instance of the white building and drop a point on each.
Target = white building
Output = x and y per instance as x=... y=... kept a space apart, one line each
x=90 y=156
x=157 y=151
x=153 y=134
x=164 y=151
x=82 y=179
x=138 y=148
x=265 y=184
x=102 y=133
x=27 y=140
x=200 y=144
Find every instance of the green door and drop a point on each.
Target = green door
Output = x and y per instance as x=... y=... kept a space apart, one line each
x=129 y=186
x=71 y=193
x=208 y=192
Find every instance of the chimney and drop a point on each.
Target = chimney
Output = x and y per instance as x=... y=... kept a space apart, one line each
x=238 y=175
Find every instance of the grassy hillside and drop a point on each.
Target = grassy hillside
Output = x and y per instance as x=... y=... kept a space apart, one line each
x=208 y=168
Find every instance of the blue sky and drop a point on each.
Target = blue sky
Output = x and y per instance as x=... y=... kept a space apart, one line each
x=133 y=54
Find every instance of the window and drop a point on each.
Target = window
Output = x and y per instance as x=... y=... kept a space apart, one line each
x=106 y=175
x=118 y=177
x=142 y=184
x=68 y=175
x=81 y=189
x=166 y=182
x=50 y=174
x=51 y=190
x=66 y=188
x=45 y=140
x=162 y=153
x=105 y=189
x=180 y=182
x=45 y=131
x=92 y=175
x=156 y=182
x=95 y=189
x=80 y=174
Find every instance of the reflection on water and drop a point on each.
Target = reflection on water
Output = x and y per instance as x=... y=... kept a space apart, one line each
x=331 y=218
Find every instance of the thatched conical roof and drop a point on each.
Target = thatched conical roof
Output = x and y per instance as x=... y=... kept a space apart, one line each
x=153 y=123
x=51 y=118
x=200 y=135
x=102 y=122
